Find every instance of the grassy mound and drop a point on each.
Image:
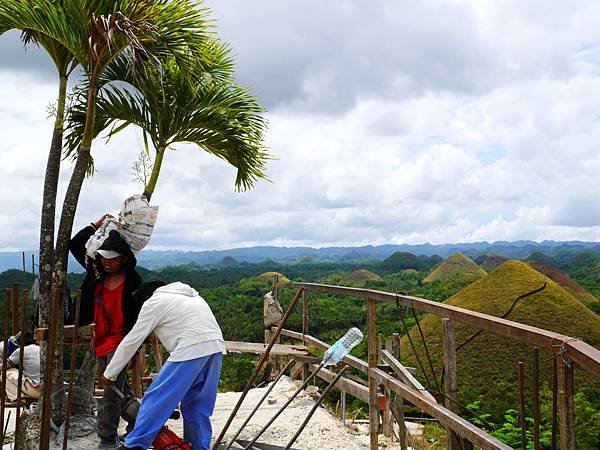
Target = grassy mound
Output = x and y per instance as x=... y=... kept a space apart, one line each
x=577 y=290
x=457 y=265
x=267 y=277
x=490 y=262
x=362 y=276
x=487 y=364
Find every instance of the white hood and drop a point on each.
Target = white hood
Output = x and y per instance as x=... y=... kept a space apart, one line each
x=178 y=288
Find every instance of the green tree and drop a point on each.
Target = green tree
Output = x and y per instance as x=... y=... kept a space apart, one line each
x=209 y=110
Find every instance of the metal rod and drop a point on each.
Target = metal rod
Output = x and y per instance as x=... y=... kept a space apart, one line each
x=314 y=408
x=277 y=414
x=231 y=441
x=15 y=308
x=47 y=387
x=343 y=402
x=536 y=398
x=21 y=360
x=4 y=361
x=5 y=429
x=521 y=387
x=554 y=402
x=72 y=371
x=258 y=367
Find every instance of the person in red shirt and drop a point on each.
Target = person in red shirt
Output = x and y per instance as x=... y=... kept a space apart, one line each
x=106 y=299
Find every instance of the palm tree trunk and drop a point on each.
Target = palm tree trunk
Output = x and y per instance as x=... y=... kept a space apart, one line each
x=46 y=245
x=151 y=185
x=59 y=274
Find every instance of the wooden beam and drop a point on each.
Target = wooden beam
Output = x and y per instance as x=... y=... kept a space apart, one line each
x=451 y=385
x=259 y=347
x=583 y=354
x=404 y=374
x=446 y=417
x=84 y=334
x=350 y=387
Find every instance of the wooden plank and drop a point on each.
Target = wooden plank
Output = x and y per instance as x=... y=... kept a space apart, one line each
x=84 y=334
x=350 y=387
x=259 y=347
x=373 y=403
x=404 y=374
x=446 y=417
x=583 y=354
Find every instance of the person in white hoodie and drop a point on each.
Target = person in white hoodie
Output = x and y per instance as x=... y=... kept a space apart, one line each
x=185 y=325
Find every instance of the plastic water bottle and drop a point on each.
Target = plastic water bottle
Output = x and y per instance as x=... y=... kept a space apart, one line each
x=342 y=347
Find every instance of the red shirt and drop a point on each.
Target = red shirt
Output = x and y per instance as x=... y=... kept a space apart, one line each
x=108 y=317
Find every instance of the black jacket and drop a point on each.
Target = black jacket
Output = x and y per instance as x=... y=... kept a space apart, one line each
x=95 y=274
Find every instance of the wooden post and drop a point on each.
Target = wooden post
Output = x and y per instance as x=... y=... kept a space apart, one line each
x=450 y=380
x=565 y=404
x=396 y=346
x=15 y=308
x=379 y=347
x=373 y=358
x=388 y=418
x=304 y=328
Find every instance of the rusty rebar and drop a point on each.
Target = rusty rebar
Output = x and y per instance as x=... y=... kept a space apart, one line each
x=536 y=398
x=4 y=362
x=258 y=367
x=521 y=387
x=71 y=371
x=554 y=401
x=21 y=361
x=268 y=391
x=314 y=408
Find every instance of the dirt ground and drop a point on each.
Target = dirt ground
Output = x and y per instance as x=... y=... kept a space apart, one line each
x=324 y=431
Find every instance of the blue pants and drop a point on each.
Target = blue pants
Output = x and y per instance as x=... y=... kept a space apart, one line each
x=192 y=383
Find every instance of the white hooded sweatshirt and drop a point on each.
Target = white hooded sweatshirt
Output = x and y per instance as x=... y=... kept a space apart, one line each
x=182 y=321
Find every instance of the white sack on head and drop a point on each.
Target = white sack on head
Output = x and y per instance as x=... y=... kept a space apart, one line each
x=134 y=223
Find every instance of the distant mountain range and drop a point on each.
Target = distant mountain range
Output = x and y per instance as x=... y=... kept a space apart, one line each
x=153 y=259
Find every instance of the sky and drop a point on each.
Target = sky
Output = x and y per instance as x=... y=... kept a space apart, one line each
x=389 y=122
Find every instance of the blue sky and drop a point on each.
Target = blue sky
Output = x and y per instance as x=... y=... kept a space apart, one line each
x=390 y=122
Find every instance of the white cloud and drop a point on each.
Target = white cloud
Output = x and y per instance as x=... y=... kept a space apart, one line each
x=400 y=122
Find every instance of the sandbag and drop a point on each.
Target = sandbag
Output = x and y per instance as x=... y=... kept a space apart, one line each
x=135 y=223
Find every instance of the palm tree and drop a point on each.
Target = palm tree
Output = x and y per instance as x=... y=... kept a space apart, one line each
x=211 y=112
x=90 y=34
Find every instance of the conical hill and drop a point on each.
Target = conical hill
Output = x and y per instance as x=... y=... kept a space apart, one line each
x=267 y=277
x=577 y=290
x=487 y=364
x=490 y=262
x=361 y=276
x=456 y=266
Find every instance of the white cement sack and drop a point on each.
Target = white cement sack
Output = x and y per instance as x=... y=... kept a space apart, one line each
x=135 y=223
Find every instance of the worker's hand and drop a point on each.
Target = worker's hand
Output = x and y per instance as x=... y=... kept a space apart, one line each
x=98 y=223
x=103 y=381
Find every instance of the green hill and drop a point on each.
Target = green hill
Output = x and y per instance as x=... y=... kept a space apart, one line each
x=487 y=364
x=267 y=277
x=457 y=265
x=490 y=262
x=565 y=281
x=361 y=276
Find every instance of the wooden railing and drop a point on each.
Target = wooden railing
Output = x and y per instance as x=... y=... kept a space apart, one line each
x=462 y=434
